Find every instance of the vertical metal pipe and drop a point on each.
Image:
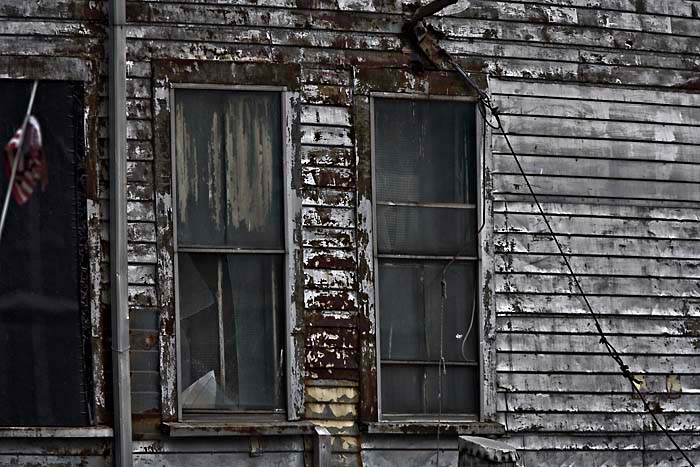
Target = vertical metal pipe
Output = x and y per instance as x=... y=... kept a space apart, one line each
x=118 y=240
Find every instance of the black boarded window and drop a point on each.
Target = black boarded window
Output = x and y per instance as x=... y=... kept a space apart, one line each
x=230 y=250
x=426 y=227
x=44 y=377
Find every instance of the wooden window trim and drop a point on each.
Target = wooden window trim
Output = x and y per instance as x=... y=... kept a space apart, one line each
x=172 y=74
x=399 y=83
x=80 y=70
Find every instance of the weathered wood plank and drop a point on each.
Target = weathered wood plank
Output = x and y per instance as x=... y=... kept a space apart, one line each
x=617 y=246
x=648 y=191
x=601 y=266
x=592 y=148
x=328 y=238
x=619 y=325
x=325 y=136
x=602 y=442
x=597 y=285
x=332 y=338
x=329 y=279
x=322 y=156
x=611 y=305
x=320 y=299
x=269 y=459
x=328 y=197
x=328 y=217
x=600 y=110
x=600 y=210
x=589 y=343
x=412 y=458
x=575 y=363
x=325 y=115
x=596 y=403
x=328 y=177
x=617 y=458
x=564 y=34
x=596 y=93
x=590 y=225
x=332 y=394
x=597 y=168
x=595 y=383
x=141 y=274
x=329 y=259
x=54 y=9
x=598 y=423
x=603 y=129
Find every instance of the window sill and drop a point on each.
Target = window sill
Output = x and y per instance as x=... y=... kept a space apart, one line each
x=197 y=429
x=448 y=427
x=56 y=432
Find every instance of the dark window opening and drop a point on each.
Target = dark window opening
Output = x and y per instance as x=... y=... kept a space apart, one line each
x=426 y=223
x=45 y=377
x=230 y=250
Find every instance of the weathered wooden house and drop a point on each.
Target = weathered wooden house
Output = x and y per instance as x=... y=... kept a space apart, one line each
x=286 y=232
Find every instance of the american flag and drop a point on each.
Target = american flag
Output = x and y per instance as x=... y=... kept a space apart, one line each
x=32 y=167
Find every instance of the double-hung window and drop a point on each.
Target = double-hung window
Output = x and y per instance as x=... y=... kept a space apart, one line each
x=230 y=239
x=425 y=233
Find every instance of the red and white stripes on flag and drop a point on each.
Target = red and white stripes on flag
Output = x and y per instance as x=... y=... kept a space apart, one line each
x=32 y=167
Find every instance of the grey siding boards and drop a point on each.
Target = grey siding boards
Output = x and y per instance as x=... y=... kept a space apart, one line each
x=617 y=184
x=602 y=101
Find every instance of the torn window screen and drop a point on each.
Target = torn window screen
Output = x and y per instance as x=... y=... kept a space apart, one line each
x=44 y=354
x=230 y=242
x=425 y=183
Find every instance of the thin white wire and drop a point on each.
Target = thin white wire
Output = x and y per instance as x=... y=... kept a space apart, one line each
x=18 y=156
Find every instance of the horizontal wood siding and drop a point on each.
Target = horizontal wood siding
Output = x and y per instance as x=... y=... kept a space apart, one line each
x=560 y=394
x=614 y=160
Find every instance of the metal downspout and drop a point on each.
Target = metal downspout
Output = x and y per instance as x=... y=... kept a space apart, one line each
x=122 y=453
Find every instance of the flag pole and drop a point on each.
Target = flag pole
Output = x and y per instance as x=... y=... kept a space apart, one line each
x=18 y=156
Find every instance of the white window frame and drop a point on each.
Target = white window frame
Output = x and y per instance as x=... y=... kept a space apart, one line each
x=487 y=375
x=292 y=206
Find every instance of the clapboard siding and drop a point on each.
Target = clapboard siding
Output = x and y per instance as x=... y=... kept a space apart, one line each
x=636 y=261
x=600 y=101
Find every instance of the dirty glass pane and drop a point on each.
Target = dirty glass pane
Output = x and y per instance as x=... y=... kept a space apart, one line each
x=410 y=300
x=228 y=150
x=44 y=360
x=198 y=284
x=239 y=298
x=253 y=326
x=426 y=231
x=413 y=389
x=422 y=151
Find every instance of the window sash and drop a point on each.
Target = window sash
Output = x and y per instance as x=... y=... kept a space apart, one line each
x=289 y=203
x=381 y=256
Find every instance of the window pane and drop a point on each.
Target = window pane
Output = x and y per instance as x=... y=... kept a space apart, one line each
x=414 y=390
x=198 y=284
x=229 y=168
x=426 y=231
x=410 y=300
x=237 y=298
x=253 y=326
x=421 y=149
x=44 y=364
